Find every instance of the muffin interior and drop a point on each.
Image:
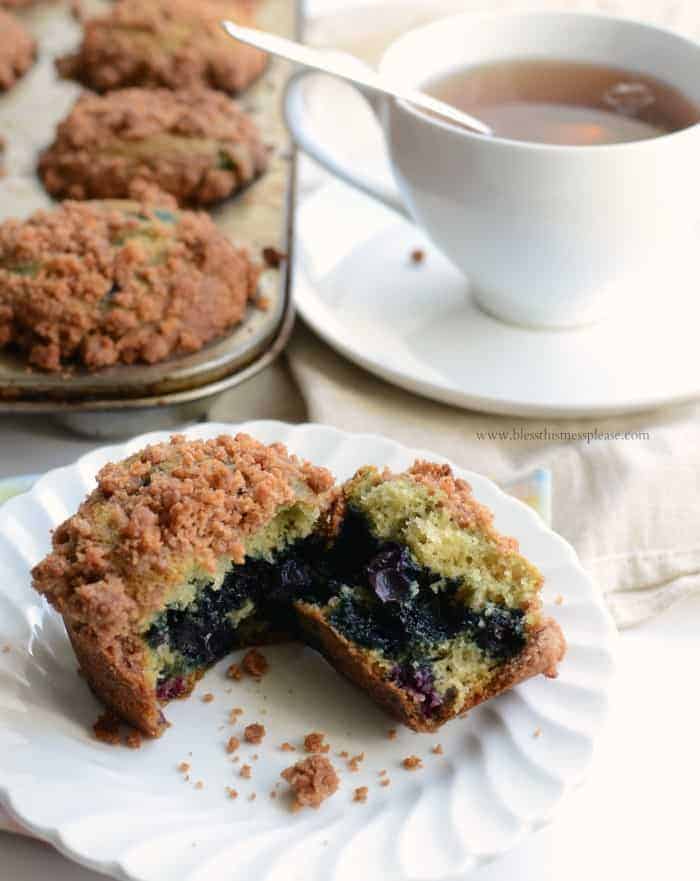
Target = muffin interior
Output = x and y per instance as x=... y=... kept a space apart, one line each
x=436 y=608
x=207 y=617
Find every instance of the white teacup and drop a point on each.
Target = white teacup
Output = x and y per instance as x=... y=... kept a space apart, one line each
x=548 y=236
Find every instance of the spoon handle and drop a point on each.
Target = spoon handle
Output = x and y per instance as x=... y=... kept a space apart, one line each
x=347 y=67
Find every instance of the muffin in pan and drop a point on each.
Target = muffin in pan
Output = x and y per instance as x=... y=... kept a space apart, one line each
x=162 y=570
x=17 y=50
x=170 y=43
x=195 y=144
x=429 y=609
x=95 y=284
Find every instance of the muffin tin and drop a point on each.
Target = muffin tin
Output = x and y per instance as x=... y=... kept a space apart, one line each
x=125 y=399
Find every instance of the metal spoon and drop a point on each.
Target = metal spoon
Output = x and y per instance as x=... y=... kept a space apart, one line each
x=347 y=67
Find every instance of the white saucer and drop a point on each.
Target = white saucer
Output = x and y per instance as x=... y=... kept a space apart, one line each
x=415 y=325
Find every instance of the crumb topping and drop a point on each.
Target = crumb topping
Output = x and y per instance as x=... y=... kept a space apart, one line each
x=99 y=283
x=156 y=514
x=312 y=780
x=254 y=733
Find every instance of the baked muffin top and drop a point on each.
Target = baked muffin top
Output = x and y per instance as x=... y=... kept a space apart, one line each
x=171 y=509
x=196 y=144
x=17 y=50
x=97 y=283
x=171 y=43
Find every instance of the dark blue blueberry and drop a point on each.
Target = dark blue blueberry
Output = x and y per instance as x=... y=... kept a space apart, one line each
x=420 y=682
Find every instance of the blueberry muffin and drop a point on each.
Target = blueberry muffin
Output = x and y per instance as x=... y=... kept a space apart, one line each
x=171 y=43
x=427 y=607
x=17 y=50
x=190 y=549
x=95 y=284
x=195 y=144
x=160 y=572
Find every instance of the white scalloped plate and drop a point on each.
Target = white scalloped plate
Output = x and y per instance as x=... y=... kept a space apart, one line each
x=504 y=769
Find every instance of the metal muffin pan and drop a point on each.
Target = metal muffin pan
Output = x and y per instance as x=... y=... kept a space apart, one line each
x=260 y=217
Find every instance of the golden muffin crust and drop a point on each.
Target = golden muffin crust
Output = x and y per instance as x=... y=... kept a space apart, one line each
x=17 y=50
x=171 y=43
x=98 y=283
x=195 y=144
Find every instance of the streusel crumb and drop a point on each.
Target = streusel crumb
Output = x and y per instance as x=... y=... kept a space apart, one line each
x=315 y=742
x=412 y=763
x=254 y=733
x=313 y=780
x=255 y=663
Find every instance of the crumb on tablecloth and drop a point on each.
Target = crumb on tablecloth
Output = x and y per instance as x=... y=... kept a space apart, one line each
x=246 y=772
x=392 y=734
x=183 y=767
x=437 y=749
x=199 y=784
x=232 y=744
x=207 y=698
x=234 y=714
x=417 y=255
x=231 y=792
x=360 y=794
x=312 y=780
x=287 y=747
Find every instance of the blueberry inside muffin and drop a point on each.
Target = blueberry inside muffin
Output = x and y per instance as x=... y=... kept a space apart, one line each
x=170 y=43
x=190 y=549
x=195 y=144
x=17 y=50
x=94 y=284
x=427 y=606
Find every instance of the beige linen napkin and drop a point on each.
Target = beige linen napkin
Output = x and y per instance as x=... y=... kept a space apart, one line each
x=629 y=505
